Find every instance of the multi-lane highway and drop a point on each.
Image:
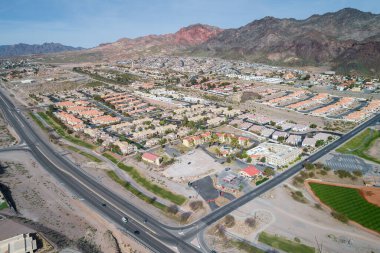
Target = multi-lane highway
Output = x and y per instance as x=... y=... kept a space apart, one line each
x=155 y=235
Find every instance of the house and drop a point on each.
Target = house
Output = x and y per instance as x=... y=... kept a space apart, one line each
x=243 y=141
x=250 y=172
x=151 y=158
x=300 y=128
x=188 y=141
x=277 y=134
x=105 y=119
x=65 y=104
x=309 y=142
x=125 y=147
x=266 y=132
x=215 y=121
x=293 y=140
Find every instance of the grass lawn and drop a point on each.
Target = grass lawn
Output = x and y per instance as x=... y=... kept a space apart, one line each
x=85 y=154
x=38 y=121
x=136 y=192
x=3 y=205
x=246 y=247
x=284 y=244
x=156 y=189
x=349 y=202
x=360 y=144
x=58 y=128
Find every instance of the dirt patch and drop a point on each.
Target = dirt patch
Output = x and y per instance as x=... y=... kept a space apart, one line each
x=221 y=201
x=47 y=207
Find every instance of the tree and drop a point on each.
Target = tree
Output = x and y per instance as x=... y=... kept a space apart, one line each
x=249 y=159
x=195 y=205
x=313 y=126
x=269 y=172
x=218 y=152
x=319 y=143
x=263 y=159
x=173 y=209
x=250 y=222
x=229 y=221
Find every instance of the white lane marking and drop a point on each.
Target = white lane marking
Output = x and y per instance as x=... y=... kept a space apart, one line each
x=135 y=220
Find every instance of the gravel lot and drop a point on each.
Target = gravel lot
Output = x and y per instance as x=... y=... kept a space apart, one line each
x=192 y=165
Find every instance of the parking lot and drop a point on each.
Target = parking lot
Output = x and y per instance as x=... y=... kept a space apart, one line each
x=348 y=163
x=206 y=190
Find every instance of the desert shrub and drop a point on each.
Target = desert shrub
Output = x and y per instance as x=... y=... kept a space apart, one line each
x=173 y=209
x=339 y=216
x=250 y=222
x=195 y=205
x=229 y=221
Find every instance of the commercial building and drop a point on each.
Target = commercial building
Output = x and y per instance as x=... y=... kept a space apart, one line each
x=274 y=154
x=250 y=172
x=23 y=243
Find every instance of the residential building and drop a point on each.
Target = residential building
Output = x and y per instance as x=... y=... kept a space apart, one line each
x=293 y=140
x=151 y=158
x=125 y=147
x=278 y=134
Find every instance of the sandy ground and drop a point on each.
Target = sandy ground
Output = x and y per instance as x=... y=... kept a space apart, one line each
x=6 y=135
x=294 y=219
x=48 y=206
x=284 y=114
x=201 y=164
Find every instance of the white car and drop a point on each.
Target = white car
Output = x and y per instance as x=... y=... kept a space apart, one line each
x=124 y=219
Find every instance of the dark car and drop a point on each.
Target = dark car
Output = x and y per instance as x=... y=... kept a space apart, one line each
x=104 y=204
x=136 y=232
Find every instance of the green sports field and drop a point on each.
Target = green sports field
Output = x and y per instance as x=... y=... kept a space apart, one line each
x=349 y=202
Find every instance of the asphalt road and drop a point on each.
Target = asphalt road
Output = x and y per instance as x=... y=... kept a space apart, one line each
x=153 y=233
x=219 y=213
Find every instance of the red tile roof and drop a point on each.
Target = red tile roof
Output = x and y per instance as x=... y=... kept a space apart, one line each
x=150 y=156
x=251 y=171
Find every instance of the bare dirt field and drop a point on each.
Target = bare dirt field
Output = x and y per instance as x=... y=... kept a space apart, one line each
x=284 y=114
x=6 y=138
x=282 y=215
x=44 y=205
x=192 y=165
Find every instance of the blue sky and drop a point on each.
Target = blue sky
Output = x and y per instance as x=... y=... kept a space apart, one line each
x=90 y=22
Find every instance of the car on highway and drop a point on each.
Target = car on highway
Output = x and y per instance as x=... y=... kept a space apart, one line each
x=136 y=232
x=124 y=219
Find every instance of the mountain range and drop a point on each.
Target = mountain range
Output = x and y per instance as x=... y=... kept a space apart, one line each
x=26 y=49
x=346 y=40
